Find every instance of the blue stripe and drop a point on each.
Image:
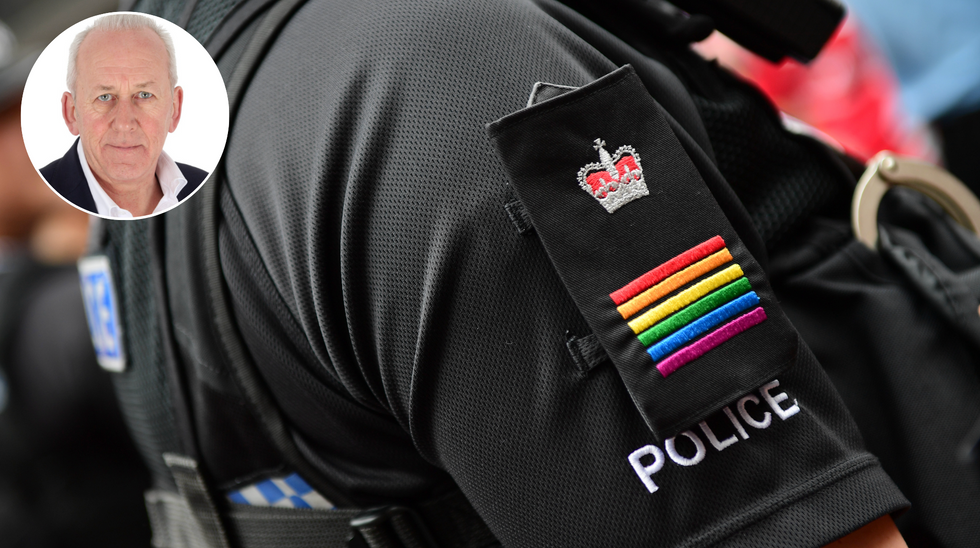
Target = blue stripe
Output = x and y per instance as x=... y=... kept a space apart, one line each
x=237 y=497
x=699 y=327
x=299 y=503
x=269 y=490
x=301 y=487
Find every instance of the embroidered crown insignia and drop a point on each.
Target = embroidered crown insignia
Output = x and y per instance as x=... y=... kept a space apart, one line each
x=616 y=179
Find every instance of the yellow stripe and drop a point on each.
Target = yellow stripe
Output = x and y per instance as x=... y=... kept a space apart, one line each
x=658 y=291
x=684 y=298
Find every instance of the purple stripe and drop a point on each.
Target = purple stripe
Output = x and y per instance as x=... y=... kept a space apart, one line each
x=690 y=353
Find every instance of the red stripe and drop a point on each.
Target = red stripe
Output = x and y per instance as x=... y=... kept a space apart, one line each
x=657 y=275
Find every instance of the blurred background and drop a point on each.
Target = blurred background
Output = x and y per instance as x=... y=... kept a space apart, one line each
x=69 y=475
x=902 y=75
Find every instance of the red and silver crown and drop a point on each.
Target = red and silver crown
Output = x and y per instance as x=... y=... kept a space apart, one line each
x=616 y=179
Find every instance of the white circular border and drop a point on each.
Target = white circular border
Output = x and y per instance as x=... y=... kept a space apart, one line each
x=199 y=139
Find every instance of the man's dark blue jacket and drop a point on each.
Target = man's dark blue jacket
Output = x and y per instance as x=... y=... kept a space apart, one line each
x=66 y=177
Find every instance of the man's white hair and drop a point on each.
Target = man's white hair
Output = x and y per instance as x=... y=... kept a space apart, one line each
x=121 y=21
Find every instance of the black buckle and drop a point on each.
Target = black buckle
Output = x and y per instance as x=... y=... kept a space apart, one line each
x=389 y=527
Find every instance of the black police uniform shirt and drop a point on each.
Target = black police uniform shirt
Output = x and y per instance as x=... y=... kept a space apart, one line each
x=420 y=330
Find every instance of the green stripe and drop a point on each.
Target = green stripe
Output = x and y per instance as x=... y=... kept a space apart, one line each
x=695 y=310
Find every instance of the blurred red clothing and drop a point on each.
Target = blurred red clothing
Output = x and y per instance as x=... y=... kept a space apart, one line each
x=849 y=93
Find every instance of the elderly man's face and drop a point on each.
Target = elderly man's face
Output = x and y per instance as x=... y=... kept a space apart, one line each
x=123 y=105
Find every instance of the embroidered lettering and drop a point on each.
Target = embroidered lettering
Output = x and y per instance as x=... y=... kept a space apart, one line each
x=669 y=445
x=713 y=440
x=682 y=457
x=738 y=426
x=758 y=425
x=773 y=401
x=646 y=472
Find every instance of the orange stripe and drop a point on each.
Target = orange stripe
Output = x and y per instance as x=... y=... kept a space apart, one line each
x=658 y=291
x=672 y=266
x=644 y=321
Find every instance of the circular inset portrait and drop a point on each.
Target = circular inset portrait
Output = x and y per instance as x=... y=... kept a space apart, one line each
x=124 y=115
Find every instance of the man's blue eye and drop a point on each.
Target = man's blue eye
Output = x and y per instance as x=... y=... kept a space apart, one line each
x=145 y=95
x=104 y=97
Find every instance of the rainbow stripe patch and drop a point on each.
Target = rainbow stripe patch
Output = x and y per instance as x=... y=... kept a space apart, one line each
x=714 y=304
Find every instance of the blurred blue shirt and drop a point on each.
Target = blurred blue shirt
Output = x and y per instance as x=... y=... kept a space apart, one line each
x=934 y=47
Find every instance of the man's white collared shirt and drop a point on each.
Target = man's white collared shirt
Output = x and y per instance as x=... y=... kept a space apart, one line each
x=169 y=177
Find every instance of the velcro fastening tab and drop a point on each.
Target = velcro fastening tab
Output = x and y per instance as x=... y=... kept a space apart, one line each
x=681 y=307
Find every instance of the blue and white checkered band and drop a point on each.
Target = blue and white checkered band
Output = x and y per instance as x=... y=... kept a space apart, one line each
x=284 y=492
x=102 y=311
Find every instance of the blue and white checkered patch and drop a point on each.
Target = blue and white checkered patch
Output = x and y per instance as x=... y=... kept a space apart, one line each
x=102 y=311
x=285 y=492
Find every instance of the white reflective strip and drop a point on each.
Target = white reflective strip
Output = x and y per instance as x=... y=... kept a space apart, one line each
x=283 y=486
x=316 y=500
x=254 y=496
x=284 y=502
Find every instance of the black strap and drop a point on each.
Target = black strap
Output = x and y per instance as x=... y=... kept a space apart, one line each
x=185 y=15
x=199 y=525
x=202 y=214
x=232 y=24
x=446 y=521
x=190 y=519
x=183 y=422
x=773 y=29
